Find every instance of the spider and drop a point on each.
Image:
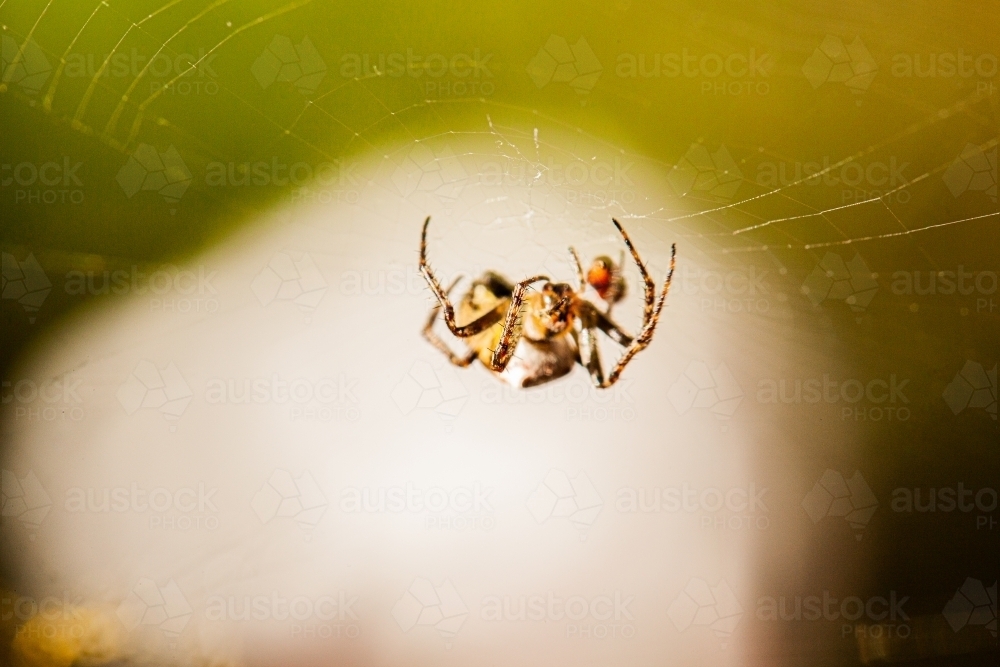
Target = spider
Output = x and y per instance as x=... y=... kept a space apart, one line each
x=605 y=276
x=528 y=339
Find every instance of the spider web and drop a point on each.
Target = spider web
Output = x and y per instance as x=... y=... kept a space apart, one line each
x=757 y=219
x=497 y=171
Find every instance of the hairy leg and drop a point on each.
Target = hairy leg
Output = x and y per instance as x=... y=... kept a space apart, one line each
x=649 y=287
x=435 y=340
x=646 y=334
x=511 y=326
x=581 y=280
x=478 y=325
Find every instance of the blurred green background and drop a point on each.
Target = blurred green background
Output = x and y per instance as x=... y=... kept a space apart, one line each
x=213 y=95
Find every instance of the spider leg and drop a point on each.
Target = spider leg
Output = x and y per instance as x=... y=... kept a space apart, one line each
x=591 y=316
x=649 y=287
x=478 y=325
x=581 y=281
x=511 y=326
x=613 y=330
x=588 y=354
x=646 y=334
x=435 y=340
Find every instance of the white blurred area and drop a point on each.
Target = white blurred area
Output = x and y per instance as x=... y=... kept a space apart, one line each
x=327 y=294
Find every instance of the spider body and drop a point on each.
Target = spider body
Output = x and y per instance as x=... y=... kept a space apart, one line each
x=529 y=338
x=543 y=352
x=605 y=276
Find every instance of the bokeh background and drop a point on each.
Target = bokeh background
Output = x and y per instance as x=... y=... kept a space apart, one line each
x=257 y=172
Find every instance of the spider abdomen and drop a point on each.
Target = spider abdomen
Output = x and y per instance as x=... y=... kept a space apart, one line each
x=537 y=362
x=537 y=358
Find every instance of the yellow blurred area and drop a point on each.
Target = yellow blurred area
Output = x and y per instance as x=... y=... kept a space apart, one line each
x=69 y=635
